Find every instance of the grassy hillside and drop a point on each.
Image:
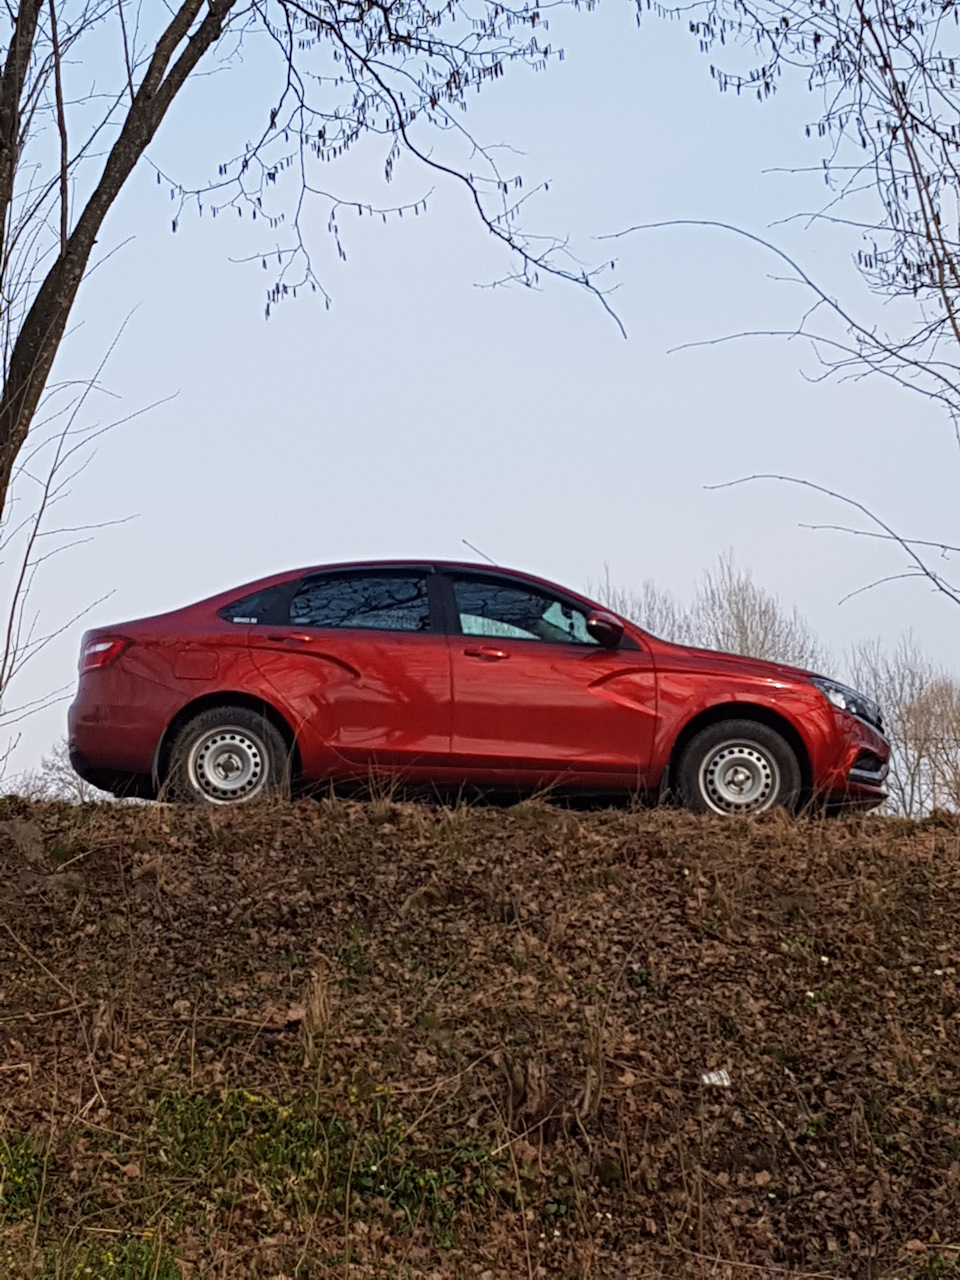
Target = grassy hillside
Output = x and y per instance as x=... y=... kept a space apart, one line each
x=355 y=1040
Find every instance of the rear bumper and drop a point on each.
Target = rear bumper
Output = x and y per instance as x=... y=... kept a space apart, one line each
x=113 y=732
x=119 y=782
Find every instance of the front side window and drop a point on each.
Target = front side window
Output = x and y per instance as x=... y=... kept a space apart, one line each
x=490 y=608
x=378 y=602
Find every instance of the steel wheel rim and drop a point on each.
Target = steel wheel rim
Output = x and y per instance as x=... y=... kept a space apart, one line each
x=227 y=765
x=739 y=777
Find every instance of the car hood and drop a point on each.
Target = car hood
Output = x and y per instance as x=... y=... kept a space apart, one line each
x=728 y=663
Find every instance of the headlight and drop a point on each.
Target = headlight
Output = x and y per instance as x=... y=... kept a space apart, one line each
x=857 y=704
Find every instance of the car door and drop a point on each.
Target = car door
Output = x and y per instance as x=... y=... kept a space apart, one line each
x=535 y=696
x=361 y=658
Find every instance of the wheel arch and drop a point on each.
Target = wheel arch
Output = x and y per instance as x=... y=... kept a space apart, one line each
x=742 y=711
x=223 y=698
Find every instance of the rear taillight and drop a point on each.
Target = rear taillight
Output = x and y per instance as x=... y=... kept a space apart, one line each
x=99 y=653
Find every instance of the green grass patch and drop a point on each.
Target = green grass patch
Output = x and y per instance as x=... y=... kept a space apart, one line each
x=302 y=1160
x=21 y=1176
x=131 y=1259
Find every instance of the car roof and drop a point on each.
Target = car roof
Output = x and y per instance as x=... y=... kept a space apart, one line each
x=346 y=566
x=210 y=605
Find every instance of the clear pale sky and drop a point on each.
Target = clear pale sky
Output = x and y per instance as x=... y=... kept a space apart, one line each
x=420 y=410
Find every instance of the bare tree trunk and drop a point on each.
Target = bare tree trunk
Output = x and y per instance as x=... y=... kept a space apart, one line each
x=43 y=327
x=11 y=97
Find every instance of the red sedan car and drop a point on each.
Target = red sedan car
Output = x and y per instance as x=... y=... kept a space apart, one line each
x=454 y=675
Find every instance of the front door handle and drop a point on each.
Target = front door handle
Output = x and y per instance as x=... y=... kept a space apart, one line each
x=486 y=653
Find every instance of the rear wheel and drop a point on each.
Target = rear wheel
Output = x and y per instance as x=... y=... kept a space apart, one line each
x=227 y=755
x=738 y=766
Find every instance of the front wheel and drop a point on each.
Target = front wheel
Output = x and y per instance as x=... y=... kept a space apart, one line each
x=227 y=755
x=738 y=766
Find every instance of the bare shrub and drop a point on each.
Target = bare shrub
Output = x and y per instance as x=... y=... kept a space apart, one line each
x=55 y=779
x=921 y=707
x=653 y=608
x=729 y=612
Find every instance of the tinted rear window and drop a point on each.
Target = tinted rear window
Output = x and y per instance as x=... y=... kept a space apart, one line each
x=381 y=602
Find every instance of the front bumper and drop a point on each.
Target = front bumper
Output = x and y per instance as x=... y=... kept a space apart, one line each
x=861 y=785
x=868 y=770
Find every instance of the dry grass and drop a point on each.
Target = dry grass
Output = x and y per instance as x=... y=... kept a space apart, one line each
x=337 y=1039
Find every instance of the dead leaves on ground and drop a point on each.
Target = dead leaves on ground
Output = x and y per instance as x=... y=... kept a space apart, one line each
x=557 y=993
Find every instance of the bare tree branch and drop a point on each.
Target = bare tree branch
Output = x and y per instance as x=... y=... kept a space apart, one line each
x=920 y=568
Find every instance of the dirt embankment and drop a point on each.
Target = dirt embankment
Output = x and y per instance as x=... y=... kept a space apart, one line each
x=395 y=1040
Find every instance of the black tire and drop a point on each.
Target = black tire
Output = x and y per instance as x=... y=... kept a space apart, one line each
x=227 y=756
x=738 y=766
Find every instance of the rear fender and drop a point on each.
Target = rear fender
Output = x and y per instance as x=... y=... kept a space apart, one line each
x=222 y=698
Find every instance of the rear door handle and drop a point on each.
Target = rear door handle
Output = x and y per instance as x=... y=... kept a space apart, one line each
x=290 y=637
x=486 y=653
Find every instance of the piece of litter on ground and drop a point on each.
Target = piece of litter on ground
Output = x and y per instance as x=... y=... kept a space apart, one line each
x=716 y=1079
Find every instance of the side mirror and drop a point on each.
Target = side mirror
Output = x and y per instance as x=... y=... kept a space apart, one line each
x=606 y=628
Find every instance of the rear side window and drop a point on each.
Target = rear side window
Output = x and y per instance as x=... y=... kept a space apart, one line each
x=378 y=602
x=262 y=606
